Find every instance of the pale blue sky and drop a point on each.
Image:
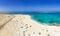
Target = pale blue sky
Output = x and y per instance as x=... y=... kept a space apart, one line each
x=29 y=5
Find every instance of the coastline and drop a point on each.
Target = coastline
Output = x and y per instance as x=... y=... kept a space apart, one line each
x=23 y=25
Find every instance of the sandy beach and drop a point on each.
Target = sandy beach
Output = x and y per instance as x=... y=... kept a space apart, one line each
x=23 y=25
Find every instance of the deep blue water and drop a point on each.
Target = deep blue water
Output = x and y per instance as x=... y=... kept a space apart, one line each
x=43 y=17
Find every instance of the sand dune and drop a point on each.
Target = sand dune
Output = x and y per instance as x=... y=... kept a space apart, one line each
x=23 y=25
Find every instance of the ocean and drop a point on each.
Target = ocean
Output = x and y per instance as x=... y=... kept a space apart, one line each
x=47 y=18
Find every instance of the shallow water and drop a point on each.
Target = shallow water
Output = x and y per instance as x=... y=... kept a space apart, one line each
x=47 y=18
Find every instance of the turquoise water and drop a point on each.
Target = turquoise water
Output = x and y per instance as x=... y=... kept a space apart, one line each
x=43 y=17
x=47 y=18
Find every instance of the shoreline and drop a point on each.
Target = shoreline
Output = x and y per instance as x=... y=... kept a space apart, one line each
x=23 y=25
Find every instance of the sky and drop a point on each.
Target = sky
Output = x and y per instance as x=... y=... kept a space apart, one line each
x=29 y=5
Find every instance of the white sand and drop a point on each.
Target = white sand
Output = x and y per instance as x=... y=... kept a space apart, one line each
x=23 y=25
